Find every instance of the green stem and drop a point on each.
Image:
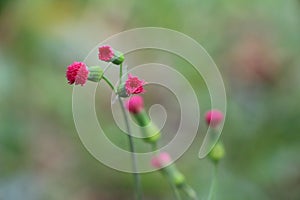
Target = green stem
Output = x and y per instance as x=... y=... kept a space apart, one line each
x=137 y=179
x=190 y=192
x=213 y=183
x=109 y=83
x=121 y=72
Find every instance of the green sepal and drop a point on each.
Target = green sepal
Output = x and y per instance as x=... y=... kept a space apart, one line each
x=118 y=58
x=95 y=73
x=150 y=131
x=121 y=91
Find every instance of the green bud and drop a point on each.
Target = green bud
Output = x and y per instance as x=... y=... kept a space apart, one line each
x=217 y=153
x=118 y=58
x=95 y=73
x=174 y=175
x=152 y=133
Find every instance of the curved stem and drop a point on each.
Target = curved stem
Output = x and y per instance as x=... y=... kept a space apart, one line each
x=213 y=183
x=109 y=83
x=137 y=179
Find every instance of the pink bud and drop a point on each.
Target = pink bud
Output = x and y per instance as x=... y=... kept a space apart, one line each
x=214 y=118
x=161 y=160
x=135 y=104
x=108 y=54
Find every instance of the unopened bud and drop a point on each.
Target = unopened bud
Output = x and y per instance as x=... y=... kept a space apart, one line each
x=95 y=73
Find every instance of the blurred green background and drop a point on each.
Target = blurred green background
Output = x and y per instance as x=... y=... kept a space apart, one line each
x=255 y=44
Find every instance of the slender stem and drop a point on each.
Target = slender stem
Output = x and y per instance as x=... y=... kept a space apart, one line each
x=109 y=83
x=137 y=179
x=213 y=183
x=121 y=72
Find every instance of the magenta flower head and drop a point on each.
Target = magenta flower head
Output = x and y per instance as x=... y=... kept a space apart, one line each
x=77 y=73
x=108 y=54
x=161 y=160
x=135 y=104
x=134 y=85
x=214 y=118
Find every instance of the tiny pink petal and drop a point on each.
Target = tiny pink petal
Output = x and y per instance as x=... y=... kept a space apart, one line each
x=161 y=160
x=106 y=53
x=214 y=118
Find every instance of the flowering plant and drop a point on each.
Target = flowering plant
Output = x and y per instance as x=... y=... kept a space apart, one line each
x=79 y=73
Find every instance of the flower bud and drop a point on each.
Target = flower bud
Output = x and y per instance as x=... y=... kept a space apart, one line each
x=214 y=118
x=135 y=104
x=118 y=58
x=217 y=153
x=95 y=74
x=175 y=175
x=108 y=54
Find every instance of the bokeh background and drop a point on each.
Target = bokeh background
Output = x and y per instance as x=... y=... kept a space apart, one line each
x=255 y=44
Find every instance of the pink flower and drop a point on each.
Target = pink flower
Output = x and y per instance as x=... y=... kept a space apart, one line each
x=106 y=53
x=161 y=160
x=77 y=73
x=214 y=118
x=135 y=104
x=134 y=85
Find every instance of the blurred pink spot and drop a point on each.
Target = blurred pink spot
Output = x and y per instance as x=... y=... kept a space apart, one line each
x=161 y=160
x=214 y=118
x=135 y=104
